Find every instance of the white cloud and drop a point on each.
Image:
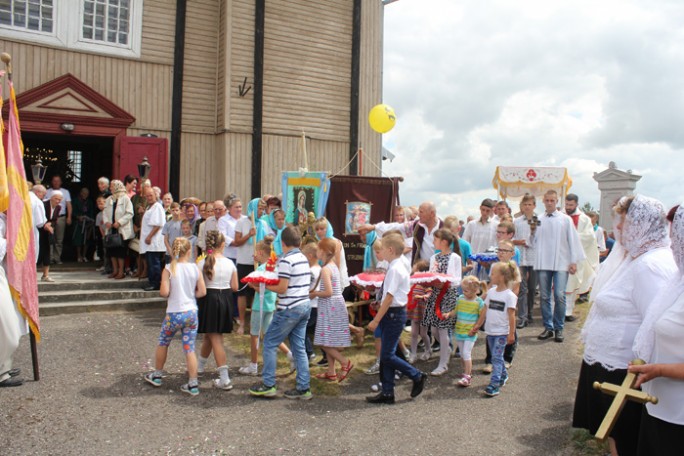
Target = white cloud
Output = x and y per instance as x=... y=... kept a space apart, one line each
x=564 y=83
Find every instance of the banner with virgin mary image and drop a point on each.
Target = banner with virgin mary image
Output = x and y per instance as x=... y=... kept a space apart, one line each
x=304 y=193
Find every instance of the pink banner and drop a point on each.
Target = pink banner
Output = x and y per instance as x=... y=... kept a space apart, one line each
x=21 y=253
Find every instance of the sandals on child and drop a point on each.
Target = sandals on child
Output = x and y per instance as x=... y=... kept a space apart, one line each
x=326 y=376
x=344 y=373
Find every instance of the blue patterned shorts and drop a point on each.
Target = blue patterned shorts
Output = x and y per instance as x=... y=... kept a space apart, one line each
x=186 y=322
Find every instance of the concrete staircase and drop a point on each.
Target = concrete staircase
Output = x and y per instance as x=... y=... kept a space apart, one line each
x=80 y=290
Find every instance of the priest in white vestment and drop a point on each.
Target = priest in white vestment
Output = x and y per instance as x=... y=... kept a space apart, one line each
x=580 y=282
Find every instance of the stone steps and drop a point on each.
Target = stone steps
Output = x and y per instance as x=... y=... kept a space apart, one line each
x=51 y=297
x=89 y=291
x=98 y=283
x=71 y=307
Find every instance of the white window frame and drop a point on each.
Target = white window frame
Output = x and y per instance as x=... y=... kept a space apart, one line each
x=67 y=31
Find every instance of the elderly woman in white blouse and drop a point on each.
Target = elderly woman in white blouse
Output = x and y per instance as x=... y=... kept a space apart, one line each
x=660 y=342
x=639 y=266
x=118 y=218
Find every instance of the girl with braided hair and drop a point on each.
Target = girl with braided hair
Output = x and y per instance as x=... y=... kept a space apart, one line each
x=215 y=310
x=182 y=284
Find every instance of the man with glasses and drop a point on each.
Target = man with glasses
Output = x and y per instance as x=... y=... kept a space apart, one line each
x=218 y=208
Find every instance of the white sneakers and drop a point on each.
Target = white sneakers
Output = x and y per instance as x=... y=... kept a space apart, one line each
x=250 y=369
x=440 y=370
x=224 y=386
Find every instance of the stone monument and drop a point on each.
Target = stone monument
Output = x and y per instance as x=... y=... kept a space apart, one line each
x=613 y=184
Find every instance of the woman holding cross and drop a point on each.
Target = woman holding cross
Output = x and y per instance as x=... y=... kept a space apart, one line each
x=659 y=342
x=640 y=265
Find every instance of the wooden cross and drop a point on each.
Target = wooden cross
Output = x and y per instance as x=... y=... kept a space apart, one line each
x=622 y=394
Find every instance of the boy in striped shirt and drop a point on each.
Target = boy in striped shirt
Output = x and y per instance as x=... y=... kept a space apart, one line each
x=289 y=321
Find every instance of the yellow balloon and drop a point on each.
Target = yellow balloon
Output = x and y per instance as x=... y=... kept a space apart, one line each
x=382 y=118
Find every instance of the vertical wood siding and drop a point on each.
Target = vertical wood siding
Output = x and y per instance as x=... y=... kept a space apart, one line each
x=370 y=88
x=307 y=65
x=284 y=153
x=241 y=62
x=199 y=69
x=233 y=167
x=140 y=88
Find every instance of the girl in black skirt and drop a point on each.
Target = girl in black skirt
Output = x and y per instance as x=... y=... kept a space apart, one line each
x=215 y=310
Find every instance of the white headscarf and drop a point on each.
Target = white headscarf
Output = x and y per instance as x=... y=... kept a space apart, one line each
x=644 y=342
x=644 y=229
x=645 y=226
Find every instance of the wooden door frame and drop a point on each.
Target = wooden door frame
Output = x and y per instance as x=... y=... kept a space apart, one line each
x=114 y=127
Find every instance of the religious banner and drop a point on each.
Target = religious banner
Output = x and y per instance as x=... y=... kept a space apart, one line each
x=370 y=200
x=358 y=214
x=304 y=193
x=515 y=181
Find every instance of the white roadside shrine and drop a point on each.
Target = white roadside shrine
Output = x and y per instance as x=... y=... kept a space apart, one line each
x=613 y=184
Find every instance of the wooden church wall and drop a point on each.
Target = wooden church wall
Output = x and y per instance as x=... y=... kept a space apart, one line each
x=307 y=83
x=142 y=86
x=370 y=88
x=306 y=87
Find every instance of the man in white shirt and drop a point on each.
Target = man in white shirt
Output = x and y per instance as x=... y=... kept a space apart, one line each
x=422 y=230
x=481 y=235
x=64 y=217
x=211 y=223
x=38 y=211
x=580 y=282
x=558 y=250
x=151 y=238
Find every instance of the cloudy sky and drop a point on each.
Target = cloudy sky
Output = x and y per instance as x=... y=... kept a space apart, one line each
x=548 y=83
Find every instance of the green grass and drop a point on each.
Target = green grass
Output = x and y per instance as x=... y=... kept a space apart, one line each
x=362 y=358
x=585 y=444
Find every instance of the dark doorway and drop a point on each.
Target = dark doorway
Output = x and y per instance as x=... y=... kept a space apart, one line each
x=79 y=160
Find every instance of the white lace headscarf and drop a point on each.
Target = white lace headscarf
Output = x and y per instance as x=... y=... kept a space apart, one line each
x=644 y=342
x=677 y=234
x=645 y=226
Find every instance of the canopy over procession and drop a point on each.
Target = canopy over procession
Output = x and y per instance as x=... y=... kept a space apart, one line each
x=281 y=247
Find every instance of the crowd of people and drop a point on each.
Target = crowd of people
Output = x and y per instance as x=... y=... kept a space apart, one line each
x=196 y=253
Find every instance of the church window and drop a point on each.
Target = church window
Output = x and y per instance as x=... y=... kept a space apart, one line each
x=111 y=27
x=36 y=15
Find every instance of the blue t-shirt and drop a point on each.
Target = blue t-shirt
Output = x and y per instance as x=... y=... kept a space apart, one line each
x=465 y=250
x=610 y=242
x=172 y=228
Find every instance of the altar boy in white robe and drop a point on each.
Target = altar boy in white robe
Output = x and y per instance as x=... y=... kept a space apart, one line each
x=559 y=251
x=581 y=281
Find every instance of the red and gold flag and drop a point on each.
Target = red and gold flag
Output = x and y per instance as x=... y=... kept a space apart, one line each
x=21 y=252
x=4 y=189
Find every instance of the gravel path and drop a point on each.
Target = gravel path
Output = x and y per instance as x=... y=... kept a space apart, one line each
x=91 y=399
